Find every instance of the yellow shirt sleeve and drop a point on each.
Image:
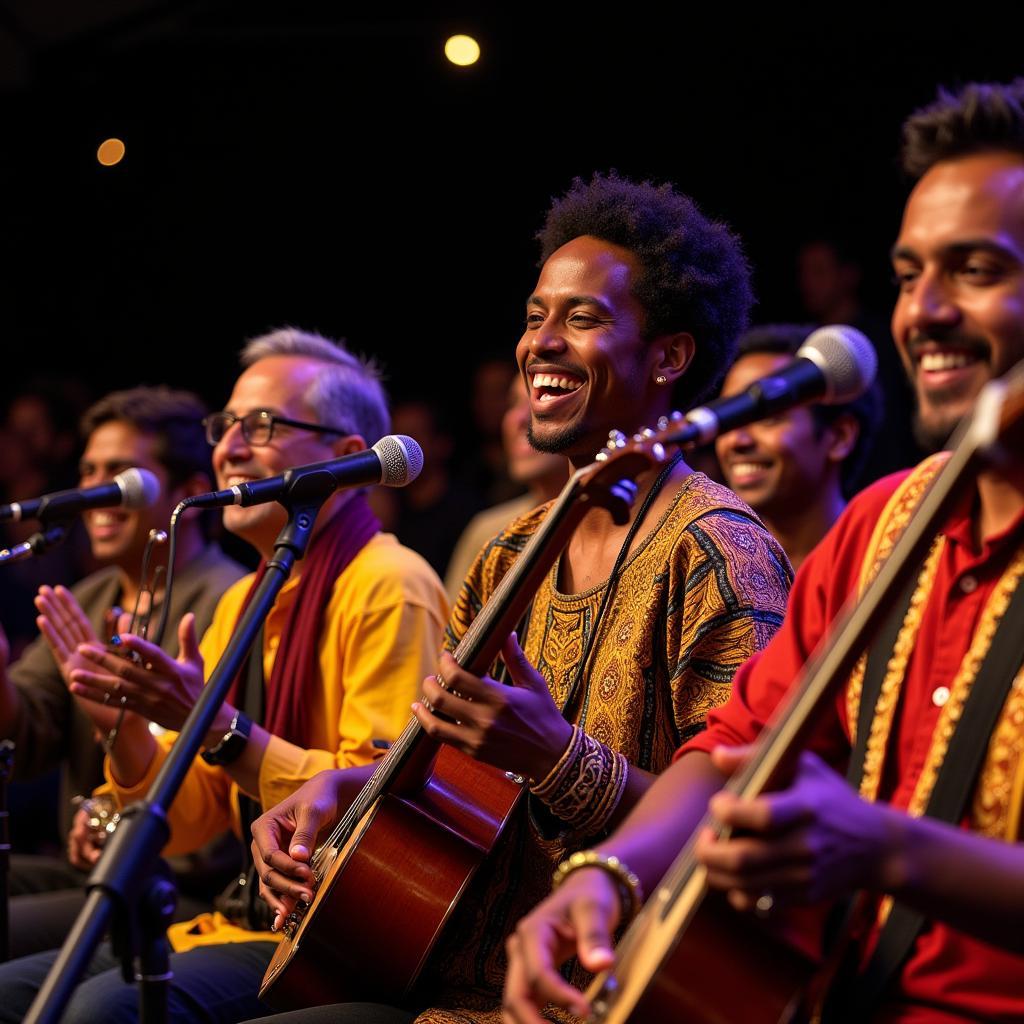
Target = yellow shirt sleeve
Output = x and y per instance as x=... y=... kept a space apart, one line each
x=381 y=635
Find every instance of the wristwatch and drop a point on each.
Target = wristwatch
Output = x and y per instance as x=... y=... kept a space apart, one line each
x=231 y=746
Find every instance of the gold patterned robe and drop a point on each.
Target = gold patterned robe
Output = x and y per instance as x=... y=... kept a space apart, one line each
x=705 y=589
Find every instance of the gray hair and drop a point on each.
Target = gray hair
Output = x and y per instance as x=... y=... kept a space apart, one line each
x=348 y=394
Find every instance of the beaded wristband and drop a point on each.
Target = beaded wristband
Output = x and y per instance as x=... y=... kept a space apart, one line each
x=586 y=784
x=631 y=894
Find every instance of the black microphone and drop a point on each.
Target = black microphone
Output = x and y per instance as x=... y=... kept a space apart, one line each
x=835 y=364
x=394 y=461
x=134 y=488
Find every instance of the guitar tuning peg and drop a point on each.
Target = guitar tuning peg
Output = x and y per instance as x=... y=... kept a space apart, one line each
x=676 y=416
x=616 y=439
x=647 y=432
x=663 y=423
x=601 y=456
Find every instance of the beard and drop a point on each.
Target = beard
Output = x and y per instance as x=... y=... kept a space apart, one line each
x=934 y=436
x=559 y=442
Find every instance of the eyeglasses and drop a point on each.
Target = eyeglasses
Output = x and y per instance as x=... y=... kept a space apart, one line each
x=258 y=426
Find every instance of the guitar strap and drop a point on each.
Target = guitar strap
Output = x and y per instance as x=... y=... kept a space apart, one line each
x=953 y=786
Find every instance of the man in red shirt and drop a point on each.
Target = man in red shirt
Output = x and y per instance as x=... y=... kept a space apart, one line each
x=958 y=323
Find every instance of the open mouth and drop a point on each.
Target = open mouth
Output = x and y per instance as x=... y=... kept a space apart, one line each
x=747 y=473
x=942 y=366
x=104 y=523
x=549 y=387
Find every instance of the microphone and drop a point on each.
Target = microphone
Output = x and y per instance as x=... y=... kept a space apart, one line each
x=133 y=488
x=834 y=365
x=394 y=461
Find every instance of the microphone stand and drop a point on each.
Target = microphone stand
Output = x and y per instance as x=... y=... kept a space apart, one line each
x=6 y=767
x=38 y=544
x=124 y=885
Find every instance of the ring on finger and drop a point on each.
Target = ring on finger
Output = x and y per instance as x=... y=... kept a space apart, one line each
x=764 y=904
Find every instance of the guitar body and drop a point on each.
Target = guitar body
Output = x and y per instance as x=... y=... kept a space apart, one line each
x=383 y=903
x=720 y=967
x=409 y=845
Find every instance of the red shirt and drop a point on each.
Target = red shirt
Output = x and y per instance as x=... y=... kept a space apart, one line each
x=949 y=975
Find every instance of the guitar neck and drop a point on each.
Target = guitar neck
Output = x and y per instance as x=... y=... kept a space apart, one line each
x=411 y=755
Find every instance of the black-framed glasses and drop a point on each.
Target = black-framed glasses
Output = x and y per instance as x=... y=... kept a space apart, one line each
x=258 y=426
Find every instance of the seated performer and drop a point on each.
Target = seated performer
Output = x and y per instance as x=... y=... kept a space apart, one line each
x=958 y=323
x=344 y=649
x=638 y=628
x=795 y=469
x=160 y=431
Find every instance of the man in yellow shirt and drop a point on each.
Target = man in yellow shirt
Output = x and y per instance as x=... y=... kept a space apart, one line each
x=345 y=648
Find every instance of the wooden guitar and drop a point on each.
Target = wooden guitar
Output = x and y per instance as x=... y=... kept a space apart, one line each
x=391 y=872
x=687 y=955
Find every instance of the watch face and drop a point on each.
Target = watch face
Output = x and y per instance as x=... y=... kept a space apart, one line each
x=230 y=748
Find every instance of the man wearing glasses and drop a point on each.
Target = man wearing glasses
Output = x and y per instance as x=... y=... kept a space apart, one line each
x=344 y=650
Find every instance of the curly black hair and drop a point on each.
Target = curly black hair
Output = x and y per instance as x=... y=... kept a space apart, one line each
x=867 y=410
x=981 y=117
x=693 y=274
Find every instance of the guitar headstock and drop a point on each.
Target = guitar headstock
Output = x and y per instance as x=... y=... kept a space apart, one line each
x=610 y=480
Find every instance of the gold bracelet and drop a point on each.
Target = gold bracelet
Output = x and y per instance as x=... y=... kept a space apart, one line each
x=631 y=894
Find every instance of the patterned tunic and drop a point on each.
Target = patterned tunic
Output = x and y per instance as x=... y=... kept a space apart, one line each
x=704 y=590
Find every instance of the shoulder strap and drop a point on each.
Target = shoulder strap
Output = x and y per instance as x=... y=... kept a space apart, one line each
x=953 y=787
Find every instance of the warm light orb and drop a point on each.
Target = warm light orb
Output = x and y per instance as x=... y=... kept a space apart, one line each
x=462 y=50
x=110 y=152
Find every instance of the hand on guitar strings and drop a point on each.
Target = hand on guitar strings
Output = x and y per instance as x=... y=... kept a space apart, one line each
x=517 y=728
x=284 y=838
x=578 y=919
x=152 y=684
x=813 y=841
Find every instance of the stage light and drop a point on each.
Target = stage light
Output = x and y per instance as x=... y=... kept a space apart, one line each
x=462 y=50
x=110 y=152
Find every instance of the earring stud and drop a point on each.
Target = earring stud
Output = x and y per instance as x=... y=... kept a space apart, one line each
x=661 y=379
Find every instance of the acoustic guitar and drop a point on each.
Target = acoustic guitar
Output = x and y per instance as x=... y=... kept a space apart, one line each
x=688 y=955
x=391 y=872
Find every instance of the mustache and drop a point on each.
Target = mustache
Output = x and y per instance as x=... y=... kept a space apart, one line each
x=919 y=341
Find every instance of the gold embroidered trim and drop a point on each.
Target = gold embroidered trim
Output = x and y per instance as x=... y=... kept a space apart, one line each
x=959 y=690
x=890 y=526
x=999 y=795
x=995 y=609
x=896 y=670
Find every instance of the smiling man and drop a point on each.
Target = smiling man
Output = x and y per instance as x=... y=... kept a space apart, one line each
x=948 y=946
x=636 y=631
x=343 y=651
x=158 y=430
x=795 y=469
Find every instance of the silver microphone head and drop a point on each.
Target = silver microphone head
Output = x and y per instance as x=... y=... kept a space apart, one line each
x=139 y=488
x=401 y=459
x=845 y=357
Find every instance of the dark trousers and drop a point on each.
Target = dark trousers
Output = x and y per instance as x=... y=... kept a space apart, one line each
x=212 y=985
x=46 y=895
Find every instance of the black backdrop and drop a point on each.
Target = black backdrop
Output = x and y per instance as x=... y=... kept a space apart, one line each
x=308 y=163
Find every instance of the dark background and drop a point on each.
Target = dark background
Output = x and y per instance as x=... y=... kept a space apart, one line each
x=312 y=164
